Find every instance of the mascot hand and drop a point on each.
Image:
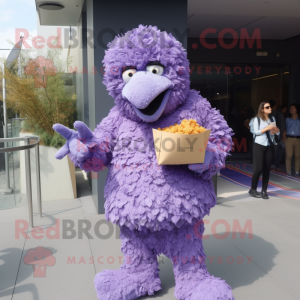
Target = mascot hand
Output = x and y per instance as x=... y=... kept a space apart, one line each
x=207 y=164
x=78 y=142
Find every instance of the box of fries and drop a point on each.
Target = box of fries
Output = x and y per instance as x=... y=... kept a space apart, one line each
x=181 y=144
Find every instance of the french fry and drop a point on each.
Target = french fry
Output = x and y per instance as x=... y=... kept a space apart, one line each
x=186 y=127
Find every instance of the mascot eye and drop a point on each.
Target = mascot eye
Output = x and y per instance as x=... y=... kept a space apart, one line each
x=128 y=74
x=155 y=69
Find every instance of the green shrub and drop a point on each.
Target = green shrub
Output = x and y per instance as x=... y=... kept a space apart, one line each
x=42 y=102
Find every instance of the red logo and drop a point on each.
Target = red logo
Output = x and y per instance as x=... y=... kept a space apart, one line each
x=39 y=258
x=41 y=68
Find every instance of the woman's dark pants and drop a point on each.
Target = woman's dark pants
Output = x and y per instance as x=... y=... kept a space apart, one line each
x=262 y=158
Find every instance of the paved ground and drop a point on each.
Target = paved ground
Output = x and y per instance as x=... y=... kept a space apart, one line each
x=264 y=267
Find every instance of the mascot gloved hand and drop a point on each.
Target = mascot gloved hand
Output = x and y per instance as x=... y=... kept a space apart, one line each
x=159 y=208
x=77 y=141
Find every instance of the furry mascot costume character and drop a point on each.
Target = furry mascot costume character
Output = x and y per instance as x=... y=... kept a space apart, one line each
x=158 y=208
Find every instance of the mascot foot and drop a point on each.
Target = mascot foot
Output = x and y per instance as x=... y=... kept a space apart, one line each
x=205 y=288
x=124 y=285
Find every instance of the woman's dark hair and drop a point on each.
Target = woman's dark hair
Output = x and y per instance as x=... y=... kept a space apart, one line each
x=259 y=112
x=297 y=108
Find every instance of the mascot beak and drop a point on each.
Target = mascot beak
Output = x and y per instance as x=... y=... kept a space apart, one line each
x=148 y=93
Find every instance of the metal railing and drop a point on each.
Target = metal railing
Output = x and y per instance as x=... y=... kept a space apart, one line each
x=27 y=148
x=12 y=129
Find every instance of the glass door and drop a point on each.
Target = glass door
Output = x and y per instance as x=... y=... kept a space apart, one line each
x=249 y=85
x=237 y=90
x=212 y=82
x=10 y=195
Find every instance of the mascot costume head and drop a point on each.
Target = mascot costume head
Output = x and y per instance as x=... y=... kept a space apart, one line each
x=159 y=208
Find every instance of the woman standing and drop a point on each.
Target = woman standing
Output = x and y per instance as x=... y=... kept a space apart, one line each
x=263 y=148
x=292 y=141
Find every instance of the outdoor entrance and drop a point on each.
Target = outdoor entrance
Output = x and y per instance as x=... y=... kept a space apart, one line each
x=236 y=90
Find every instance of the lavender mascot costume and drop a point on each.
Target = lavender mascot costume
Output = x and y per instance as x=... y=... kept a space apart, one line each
x=158 y=208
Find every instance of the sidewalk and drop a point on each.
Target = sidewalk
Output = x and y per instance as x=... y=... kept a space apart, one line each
x=265 y=267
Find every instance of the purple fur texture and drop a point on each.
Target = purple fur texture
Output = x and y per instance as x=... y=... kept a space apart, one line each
x=138 y=47
x=138 y=276
x=155 y=206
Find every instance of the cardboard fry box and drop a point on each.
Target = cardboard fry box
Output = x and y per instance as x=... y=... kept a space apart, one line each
x=180 y=149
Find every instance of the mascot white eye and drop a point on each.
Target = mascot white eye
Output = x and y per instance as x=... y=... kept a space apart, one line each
x=128 y=74
x=155 y=69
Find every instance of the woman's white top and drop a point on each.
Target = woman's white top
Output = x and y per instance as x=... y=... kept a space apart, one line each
x=261 y=138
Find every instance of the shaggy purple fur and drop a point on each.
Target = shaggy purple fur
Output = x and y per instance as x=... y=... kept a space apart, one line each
x=155 y=206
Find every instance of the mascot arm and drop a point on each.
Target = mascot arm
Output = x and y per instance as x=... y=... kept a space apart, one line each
x=219 y=143
x=90 y=151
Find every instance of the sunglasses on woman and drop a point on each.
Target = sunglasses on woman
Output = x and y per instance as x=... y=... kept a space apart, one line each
x=267 y=107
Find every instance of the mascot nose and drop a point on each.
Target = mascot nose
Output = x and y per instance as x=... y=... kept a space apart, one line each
x=144 y=87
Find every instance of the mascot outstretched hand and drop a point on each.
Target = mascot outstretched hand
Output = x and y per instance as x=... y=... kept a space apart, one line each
x=159 y=208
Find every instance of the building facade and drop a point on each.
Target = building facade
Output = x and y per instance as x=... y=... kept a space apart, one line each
x=240 y=55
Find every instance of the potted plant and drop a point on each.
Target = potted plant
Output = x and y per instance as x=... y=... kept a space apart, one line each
x=40 y=96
